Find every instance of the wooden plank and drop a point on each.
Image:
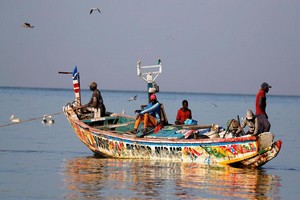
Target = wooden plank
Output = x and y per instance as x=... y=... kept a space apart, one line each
x=98 y=119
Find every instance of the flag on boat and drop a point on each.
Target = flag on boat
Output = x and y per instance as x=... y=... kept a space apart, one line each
x=76 y=85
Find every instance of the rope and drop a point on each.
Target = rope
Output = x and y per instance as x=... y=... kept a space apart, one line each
x=28 y=120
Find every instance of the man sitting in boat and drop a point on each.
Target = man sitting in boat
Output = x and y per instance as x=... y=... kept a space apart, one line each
x=150 y=115
x=183 y=113
x=232 y=128
x=96 y=101
x=252 y=121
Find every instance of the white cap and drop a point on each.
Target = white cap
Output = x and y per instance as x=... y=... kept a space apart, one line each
x=249 y=114
x=152 y=90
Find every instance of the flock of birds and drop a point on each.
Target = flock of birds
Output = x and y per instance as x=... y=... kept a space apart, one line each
x=50 y=119
x=28 y=25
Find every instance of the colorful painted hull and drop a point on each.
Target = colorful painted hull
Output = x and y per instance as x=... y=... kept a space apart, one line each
x=240 y=151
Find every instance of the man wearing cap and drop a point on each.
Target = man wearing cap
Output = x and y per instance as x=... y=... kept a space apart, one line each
x=252 y=122
x=150 y=115
x=96 y=100
x=260 y=105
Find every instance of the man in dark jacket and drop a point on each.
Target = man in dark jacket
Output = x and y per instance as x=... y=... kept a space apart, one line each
x=96 y=100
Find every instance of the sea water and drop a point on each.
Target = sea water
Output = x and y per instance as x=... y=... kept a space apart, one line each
x=43 y=161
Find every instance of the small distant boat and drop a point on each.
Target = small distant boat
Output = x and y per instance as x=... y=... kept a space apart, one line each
x=109 y=136
x=13 y=119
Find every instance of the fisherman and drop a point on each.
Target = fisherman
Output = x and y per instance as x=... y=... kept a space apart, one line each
x=183 y=113
x=252 y=122
x=233 y=128
x=96 y=101
x=260 y=105
x=150 y=115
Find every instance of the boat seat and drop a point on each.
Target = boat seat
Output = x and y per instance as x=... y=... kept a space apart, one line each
x=167 y=132
x=99 y=119
x=116 y=125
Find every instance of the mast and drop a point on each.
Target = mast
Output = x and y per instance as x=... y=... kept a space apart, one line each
x=76 y=85
x=149 y=74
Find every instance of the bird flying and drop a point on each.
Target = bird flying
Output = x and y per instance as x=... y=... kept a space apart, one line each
x=95 y=9
x=132 y=98
x=27 y=25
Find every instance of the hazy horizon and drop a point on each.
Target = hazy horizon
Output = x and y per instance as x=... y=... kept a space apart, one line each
x=141 y=91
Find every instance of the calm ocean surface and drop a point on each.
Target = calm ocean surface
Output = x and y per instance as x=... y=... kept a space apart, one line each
x=40 y=161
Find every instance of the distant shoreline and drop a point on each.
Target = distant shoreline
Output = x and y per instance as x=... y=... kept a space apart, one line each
x=139 y=91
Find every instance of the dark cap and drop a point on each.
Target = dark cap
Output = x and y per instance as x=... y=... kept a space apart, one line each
x=264 y=84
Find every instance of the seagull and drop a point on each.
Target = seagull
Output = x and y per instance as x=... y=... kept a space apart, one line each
x=27 y=25
x=132 y=98
x=44 y=120
x=51 y=120
x=96 y=9
x=14 y=119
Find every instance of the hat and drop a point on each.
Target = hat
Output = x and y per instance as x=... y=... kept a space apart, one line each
x=264 y=84
x=152 y=97
x=249 y=114
x=152 y=90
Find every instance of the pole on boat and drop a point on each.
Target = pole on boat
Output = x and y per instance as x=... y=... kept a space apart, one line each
x=149 y=74
x=76 y=85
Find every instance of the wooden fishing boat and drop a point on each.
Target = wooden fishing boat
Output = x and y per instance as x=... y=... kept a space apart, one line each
x=109 y=136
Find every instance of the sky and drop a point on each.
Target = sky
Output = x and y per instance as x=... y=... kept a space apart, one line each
x=223 y=46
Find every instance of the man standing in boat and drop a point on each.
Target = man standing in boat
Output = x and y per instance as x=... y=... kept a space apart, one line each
x=260 y=105
x=96 y=101
x=150 y=115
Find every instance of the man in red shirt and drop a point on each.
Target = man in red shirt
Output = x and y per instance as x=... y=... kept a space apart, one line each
x=183 y=113
x=260 y=105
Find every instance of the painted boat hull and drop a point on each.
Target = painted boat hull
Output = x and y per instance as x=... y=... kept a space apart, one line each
x=240 y=151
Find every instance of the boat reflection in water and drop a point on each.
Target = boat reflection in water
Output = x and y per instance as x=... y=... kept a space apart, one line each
x=94 y=178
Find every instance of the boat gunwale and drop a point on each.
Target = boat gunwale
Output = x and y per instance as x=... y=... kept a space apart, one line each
x=123 y=137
